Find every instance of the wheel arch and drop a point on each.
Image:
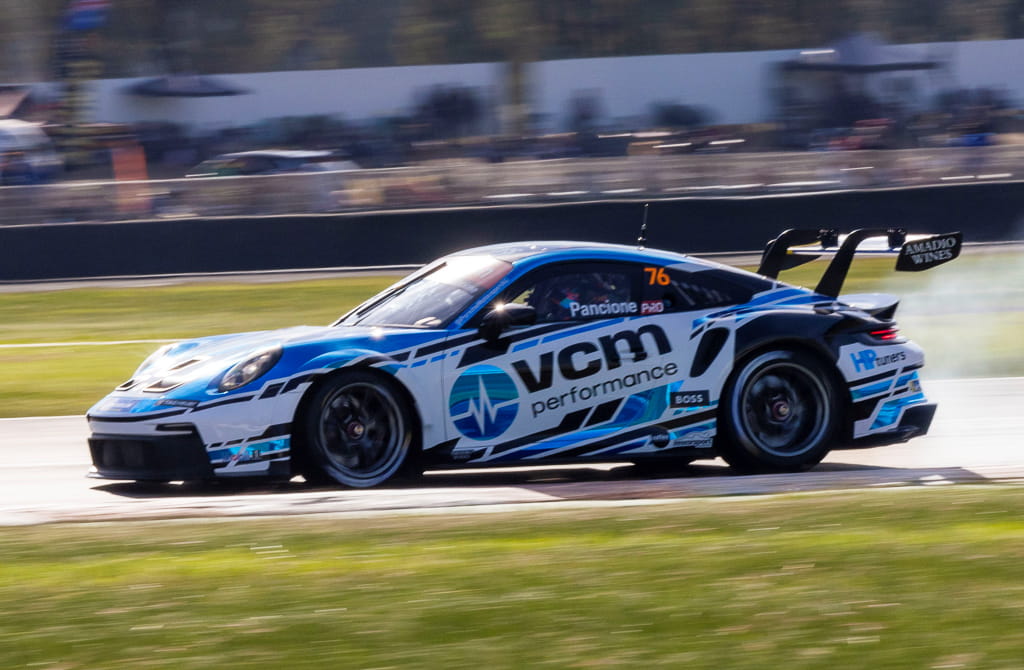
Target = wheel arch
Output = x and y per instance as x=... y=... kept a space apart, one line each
x=299 y=454
x=805 y=332
x=740 y=449
x=818 y=349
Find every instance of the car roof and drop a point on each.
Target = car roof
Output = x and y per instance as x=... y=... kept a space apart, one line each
x=545 y=250
x=19 y=127
x=277 y=153
x=531 y=254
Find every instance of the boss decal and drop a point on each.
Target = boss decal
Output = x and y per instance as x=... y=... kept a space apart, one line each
x=483 y=402
x=689 y=399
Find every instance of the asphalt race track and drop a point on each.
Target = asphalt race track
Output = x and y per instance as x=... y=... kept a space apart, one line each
x=976 y=437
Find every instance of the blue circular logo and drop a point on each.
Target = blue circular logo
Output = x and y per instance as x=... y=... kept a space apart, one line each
x=484 y=402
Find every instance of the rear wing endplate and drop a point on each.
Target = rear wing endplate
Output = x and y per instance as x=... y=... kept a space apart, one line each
x=914 y=253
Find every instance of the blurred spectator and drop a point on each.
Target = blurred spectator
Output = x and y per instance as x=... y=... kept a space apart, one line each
x=584 y=111
x=449 y=111
x=674 y=115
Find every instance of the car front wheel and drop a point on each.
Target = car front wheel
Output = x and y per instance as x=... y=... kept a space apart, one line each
x=779 y=412
x=358 y=430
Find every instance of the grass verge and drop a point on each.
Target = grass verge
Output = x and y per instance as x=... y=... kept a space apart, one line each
x=967 y=315
x=177 y=311
x=44 y=381
x=920 y=578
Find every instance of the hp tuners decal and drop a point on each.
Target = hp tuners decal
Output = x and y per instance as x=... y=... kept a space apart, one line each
x=869 y=359
x=484 y=402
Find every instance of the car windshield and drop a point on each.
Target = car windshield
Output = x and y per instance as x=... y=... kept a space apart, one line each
x=433 y=296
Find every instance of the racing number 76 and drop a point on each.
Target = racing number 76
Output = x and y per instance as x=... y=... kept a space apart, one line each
x=657 y=276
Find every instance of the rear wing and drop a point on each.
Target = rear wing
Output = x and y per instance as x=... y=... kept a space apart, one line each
x=914 y=253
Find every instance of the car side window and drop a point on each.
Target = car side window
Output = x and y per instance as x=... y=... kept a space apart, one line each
x=578 y=292
x=673 y=290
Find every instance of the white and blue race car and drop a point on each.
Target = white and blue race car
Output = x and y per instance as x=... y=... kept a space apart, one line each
x=538 y=353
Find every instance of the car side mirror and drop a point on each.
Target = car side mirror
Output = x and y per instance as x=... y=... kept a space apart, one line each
x=502 y=317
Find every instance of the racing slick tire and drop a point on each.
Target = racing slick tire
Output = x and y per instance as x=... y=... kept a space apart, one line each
x=358 y=430
x=779 y=413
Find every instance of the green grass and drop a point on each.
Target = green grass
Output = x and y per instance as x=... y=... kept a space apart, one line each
x=69 y=379
x=177 y=311
x=895 y=579
x=52 y=381
x=967 y=315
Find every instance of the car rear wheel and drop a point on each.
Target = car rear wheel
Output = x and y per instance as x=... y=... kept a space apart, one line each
x=358 y=430
x=779 y=413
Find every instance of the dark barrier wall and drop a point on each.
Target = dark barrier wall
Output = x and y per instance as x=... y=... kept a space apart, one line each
x=989 y=212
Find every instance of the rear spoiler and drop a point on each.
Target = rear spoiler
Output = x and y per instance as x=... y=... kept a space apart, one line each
x=797 y=246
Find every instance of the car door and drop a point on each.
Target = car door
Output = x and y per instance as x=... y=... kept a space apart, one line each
x=688 y=298
x=593 y=377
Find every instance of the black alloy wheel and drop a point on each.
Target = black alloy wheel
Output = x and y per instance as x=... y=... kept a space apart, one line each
x=779 y=413
x=358 y=430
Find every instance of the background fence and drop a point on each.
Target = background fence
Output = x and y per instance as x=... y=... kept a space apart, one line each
x=475 y=182
x=190 y=244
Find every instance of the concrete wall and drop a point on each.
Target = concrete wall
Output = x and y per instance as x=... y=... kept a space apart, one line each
x=360 y=93
x=992 y=64
x=732 y=86
x=735 y=87
x=989 y=212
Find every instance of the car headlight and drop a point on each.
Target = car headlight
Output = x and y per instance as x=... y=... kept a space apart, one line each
x=248 y=370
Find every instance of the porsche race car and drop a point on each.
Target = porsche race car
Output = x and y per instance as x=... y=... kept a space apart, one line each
x=540 y=353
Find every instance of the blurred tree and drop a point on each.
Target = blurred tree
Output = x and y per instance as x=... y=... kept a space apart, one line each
x=295 y=35
x=369 y=27
x=144 y=37
x=26 y=33
x=513 y=31
x=910 y=21
x=1015 y=19
x=424 y=32
x=19 y=52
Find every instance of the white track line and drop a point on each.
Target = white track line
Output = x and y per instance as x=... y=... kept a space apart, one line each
x=36 y=345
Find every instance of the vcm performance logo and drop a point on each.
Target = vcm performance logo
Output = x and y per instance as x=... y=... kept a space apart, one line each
x=484 y=402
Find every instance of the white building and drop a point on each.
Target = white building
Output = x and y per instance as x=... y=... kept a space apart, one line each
x=733 y=87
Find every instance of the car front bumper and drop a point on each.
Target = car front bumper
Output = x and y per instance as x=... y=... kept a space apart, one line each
x=150 y=457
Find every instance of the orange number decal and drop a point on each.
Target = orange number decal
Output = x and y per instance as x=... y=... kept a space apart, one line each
x=657 y=276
